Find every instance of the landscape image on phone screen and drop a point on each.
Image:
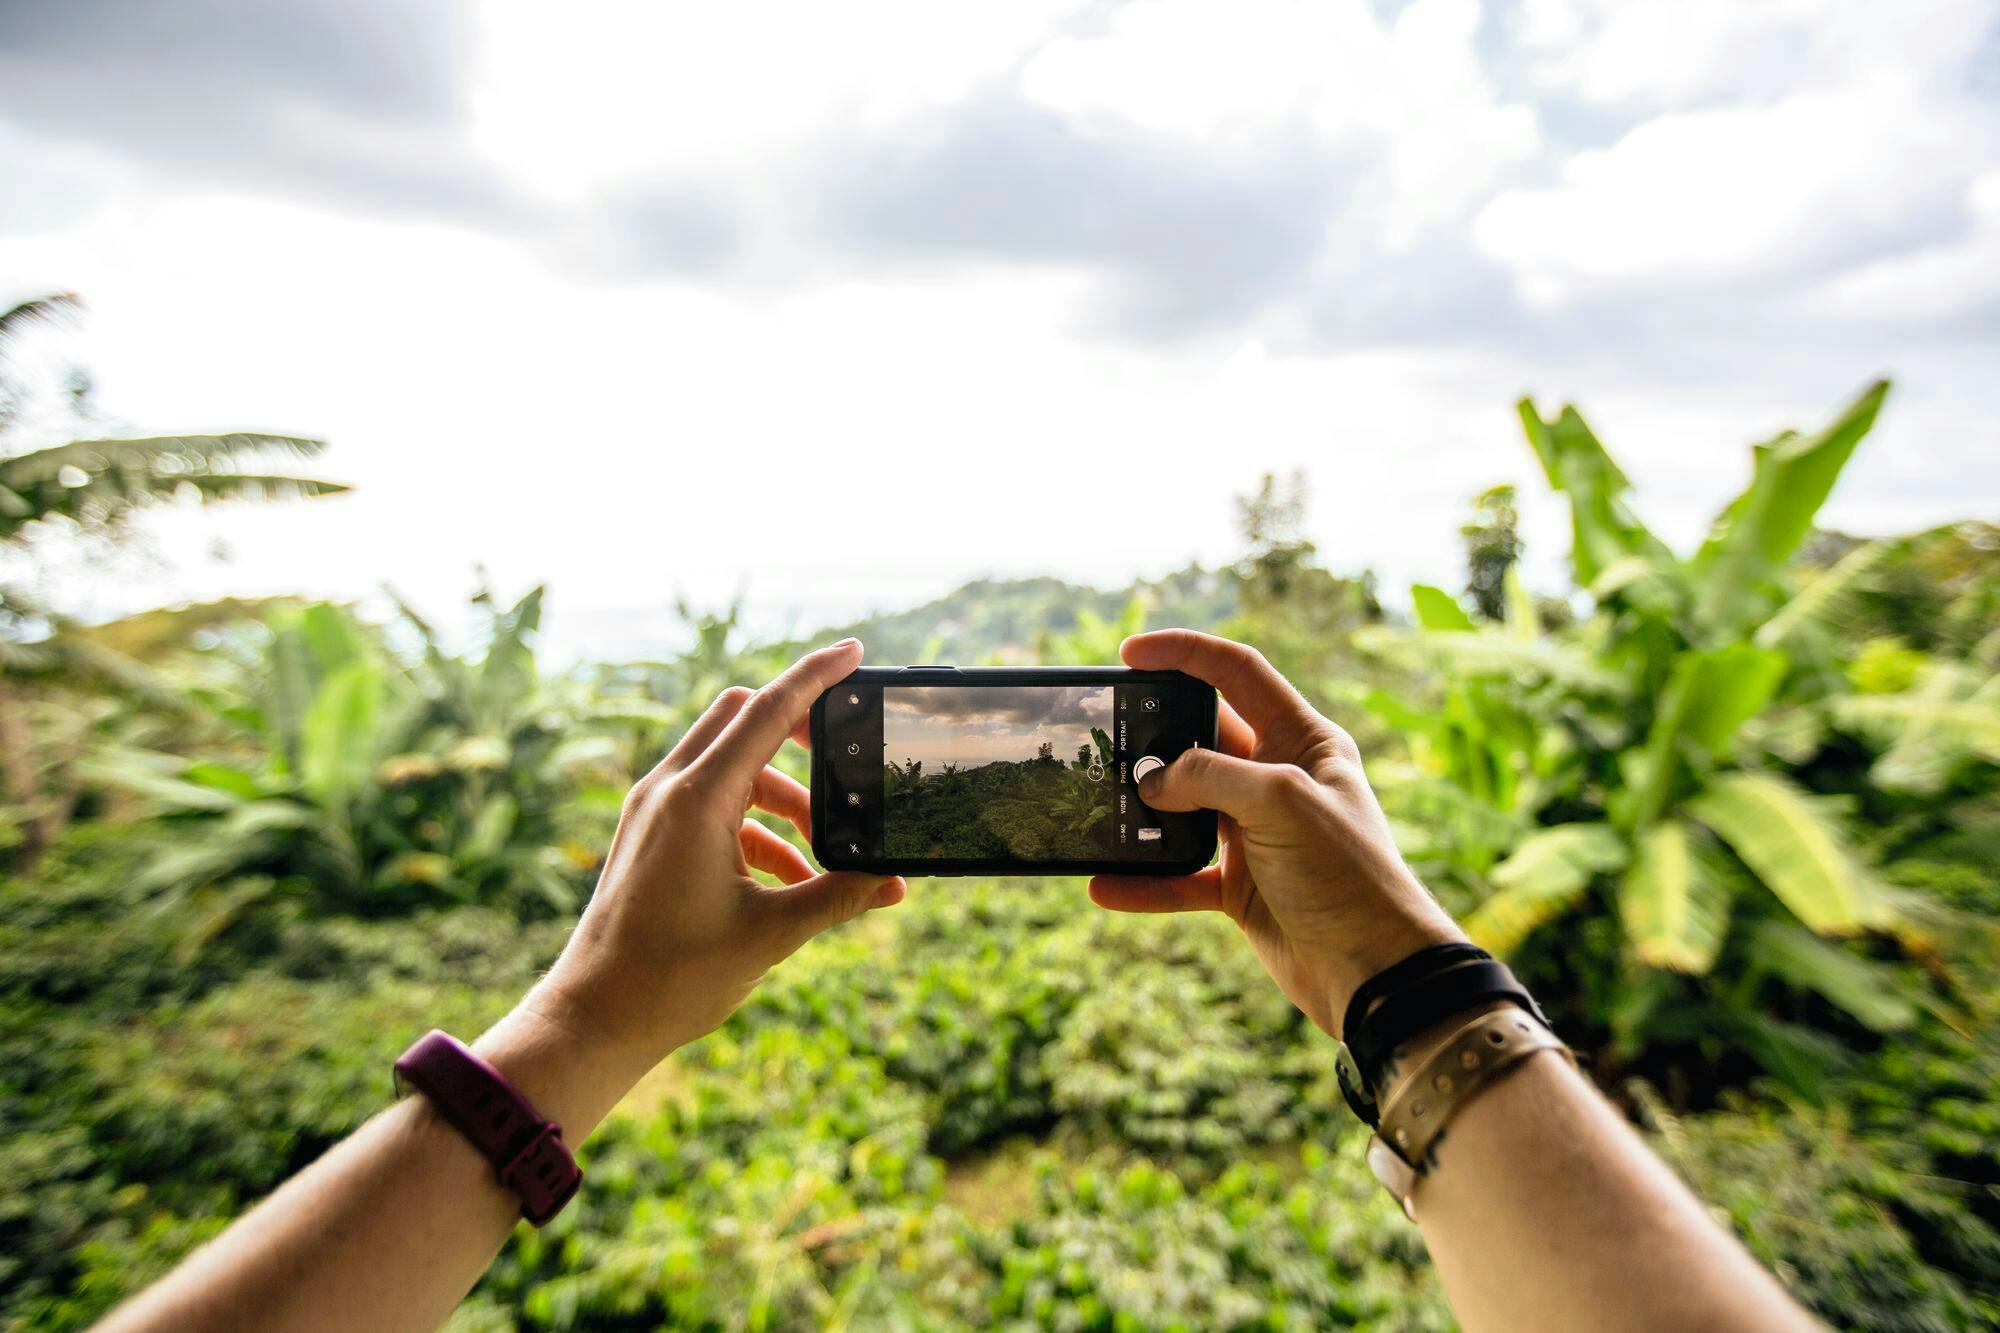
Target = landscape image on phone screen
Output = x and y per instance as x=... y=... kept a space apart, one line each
x=1024 y=771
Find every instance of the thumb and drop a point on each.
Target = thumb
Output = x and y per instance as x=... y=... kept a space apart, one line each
x=824 y=901
x=1211 y=780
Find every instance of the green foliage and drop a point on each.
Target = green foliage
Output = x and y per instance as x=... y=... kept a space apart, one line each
x=1270 y=1245
x=1040 y=809
x=1738 y=574
x=384 y=783
x=1675 y=899
x=1853 y=1224
x=1609 y=800
x=144 y=1100
x=1738 y=820
x=63 y=689
x=1788 y=839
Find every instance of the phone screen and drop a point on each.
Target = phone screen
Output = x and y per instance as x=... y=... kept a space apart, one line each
x=1013 y=775
x=1027 y=772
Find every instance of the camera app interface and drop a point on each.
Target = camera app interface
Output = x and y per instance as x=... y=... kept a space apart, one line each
x=1032 y=772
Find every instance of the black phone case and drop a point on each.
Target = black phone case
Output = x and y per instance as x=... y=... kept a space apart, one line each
x=1204 y=728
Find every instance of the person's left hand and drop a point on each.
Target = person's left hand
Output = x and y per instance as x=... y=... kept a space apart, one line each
x=679 y=932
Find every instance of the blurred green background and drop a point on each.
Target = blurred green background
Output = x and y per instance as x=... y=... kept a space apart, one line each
x=1733 y=814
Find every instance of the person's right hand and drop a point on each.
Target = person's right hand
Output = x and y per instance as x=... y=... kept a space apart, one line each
x=678 y=931
x=1308 y=869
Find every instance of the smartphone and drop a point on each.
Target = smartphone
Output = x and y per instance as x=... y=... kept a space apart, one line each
x=939 y=770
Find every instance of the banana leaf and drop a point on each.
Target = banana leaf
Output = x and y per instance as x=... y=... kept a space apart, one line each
x=1547 y=872
x=1762 y=528
x=1674 y=900
x=1795 y=847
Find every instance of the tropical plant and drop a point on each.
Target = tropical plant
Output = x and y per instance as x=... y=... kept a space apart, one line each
x=60 y=687
x=1635 y=765
x=361 y=783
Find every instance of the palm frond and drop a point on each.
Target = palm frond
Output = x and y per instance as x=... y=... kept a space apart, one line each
x=98 y=482
x=40 y=310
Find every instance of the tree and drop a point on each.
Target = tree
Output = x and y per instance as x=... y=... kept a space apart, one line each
x=1492 y=546
x=1272 y=521
x=1300 y=614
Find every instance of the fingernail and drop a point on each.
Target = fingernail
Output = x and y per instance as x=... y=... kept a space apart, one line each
x=844 y=642
x=889 y=894
x=1149 y=786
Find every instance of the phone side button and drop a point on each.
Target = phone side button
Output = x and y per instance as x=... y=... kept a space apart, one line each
x=932 y=667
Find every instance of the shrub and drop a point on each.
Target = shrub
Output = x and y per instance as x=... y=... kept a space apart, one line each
x=1830 y=1210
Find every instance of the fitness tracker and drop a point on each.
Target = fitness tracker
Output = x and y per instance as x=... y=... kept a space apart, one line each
x=527 y=1151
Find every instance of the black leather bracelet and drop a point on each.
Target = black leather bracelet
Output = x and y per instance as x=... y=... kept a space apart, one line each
x=1433 y=958
x=1445 y=984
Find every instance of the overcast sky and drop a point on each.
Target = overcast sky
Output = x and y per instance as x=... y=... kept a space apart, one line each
x=840 y=304
x=969 y=725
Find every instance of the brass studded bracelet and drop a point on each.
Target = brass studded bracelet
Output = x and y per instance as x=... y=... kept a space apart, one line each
x=1416 y=1110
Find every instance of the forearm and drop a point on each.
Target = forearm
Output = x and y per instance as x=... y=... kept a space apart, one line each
x=1545 y=1210
x=391 y=1228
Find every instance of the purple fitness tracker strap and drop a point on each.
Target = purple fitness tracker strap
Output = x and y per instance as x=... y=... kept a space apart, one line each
x=481 y=1104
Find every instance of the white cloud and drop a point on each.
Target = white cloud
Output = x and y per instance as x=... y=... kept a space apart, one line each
x=1936 y=284
x=1737 y=194
x=1406 y=98
x=1673 y=53
x=583 y=97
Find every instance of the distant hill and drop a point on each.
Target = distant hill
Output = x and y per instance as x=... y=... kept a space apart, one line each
x=1000 y=620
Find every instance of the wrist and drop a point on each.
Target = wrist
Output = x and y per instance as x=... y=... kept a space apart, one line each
x=570 y=1070
x=1370 y=952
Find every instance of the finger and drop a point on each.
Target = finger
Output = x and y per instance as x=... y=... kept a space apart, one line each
x=1232 y=733
x=1262 y=697
x=706 y=728
x=1210 y=780
x=824 y=901
x=768 y=852
x=755 y=734
x=1199 y=892
x=783 y=797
